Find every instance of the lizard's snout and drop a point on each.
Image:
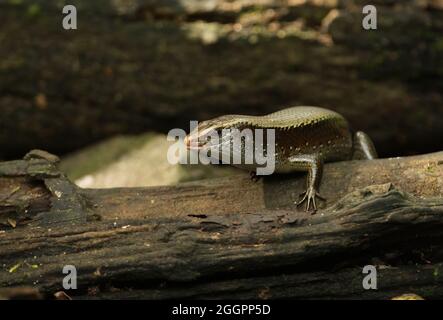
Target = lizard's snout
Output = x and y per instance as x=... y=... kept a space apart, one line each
x=191 y=143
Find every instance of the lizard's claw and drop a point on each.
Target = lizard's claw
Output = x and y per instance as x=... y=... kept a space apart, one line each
x=309 y=195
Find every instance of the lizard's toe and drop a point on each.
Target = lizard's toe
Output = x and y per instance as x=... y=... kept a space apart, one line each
x=309 y=196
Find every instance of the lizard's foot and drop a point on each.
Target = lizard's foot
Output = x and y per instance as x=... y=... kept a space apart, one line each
x=254 y=176
x=309 y=195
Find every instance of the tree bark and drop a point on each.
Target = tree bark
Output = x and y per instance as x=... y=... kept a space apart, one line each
x=154 y=65
x=226 y=238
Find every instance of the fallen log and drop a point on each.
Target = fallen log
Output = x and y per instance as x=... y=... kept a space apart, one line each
x=226 y=238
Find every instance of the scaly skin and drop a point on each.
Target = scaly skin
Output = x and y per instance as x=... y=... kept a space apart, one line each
x=305 y=138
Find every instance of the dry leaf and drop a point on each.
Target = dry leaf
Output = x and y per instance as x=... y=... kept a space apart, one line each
x=14 y=268
x=12 y=222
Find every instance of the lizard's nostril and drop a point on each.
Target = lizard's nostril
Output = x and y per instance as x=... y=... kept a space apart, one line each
x=187 y=141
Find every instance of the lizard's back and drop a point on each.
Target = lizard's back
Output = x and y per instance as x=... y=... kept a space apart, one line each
x=299 y=117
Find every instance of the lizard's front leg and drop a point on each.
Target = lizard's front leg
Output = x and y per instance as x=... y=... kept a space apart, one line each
x=313 y=164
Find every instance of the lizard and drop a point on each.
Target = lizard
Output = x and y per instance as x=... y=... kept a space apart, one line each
x=305 y=138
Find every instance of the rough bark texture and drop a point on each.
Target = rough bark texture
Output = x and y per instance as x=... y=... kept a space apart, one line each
x=142 y=65
x=226 y=238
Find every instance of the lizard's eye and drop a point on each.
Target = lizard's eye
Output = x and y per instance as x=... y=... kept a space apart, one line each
x=219 y=132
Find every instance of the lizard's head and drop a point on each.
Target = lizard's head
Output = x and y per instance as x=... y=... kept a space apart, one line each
x=202 y=136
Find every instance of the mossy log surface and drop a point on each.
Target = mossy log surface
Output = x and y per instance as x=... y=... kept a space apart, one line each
x=225 y=238
x=136 y=66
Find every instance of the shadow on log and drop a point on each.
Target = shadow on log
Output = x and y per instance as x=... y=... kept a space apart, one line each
x=226 y=238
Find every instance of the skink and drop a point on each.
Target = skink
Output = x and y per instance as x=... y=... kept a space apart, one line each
x=305 y=138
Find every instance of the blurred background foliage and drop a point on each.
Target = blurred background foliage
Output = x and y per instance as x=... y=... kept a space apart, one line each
x=138 y=66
